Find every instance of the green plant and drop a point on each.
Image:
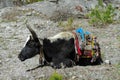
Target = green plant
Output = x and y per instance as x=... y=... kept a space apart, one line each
x=101 y=15
x=32 y=1
x=56 y=76
x=67 y=25
x=70 y=22
x=100 y=2
x=118 y=67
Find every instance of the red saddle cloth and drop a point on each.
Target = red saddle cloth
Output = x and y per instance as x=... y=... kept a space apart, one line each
x=78 y=47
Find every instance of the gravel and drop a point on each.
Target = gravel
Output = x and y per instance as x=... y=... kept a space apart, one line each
x=13 y=35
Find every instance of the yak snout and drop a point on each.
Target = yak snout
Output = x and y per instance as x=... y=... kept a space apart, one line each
x=21 y=55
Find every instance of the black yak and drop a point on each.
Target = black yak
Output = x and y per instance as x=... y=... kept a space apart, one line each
x=57 y=51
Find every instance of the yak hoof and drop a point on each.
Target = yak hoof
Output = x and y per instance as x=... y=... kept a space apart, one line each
x=56 y=66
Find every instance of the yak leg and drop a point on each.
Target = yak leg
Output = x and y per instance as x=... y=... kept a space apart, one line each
x=62 y=63
x=68 y=63
x=56 y=62
x=42 y=60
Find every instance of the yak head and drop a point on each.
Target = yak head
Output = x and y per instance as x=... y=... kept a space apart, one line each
x=32 y=46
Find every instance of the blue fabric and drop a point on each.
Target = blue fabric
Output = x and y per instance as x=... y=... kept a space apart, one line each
x=82 y=33
x=87 y=33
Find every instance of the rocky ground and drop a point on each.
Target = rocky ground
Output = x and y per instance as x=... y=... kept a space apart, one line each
x=13 y=34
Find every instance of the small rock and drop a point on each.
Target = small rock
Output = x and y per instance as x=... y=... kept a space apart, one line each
x=29 y=14
x=74 y=77
x=42 y=76
x=0 y=62
x=7 y=60
x=107 y=62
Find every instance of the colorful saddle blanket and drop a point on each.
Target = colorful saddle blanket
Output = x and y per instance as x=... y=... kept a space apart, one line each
x=86 y=44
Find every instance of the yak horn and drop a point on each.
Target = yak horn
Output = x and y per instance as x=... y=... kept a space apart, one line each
x=34 y=35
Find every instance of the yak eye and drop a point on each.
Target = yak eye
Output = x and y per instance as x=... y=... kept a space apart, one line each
x=88 y=38
x=30 y=43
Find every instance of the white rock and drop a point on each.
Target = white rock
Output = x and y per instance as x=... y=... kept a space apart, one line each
x=107 y=62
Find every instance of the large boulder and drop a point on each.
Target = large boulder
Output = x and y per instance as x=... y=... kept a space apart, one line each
x=5 y=3
x=64 y=8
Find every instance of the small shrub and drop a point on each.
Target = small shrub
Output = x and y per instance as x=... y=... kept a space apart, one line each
x=32 y=1
x=56 y=76
x=68 y=25
x=101 y=15
x=70 y=22
x=100 y=2
x=118 y=67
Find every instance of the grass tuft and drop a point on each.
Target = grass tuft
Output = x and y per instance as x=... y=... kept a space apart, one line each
x=118 y=67
x=101 y=15
x=56 y=76
x=32 y=1
x=68 y=25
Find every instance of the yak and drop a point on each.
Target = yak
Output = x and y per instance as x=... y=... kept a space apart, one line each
x=58 y=51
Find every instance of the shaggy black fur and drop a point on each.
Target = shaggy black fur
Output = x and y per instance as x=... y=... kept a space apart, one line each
x=59 y=52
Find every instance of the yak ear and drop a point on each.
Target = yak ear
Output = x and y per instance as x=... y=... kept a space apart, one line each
x=30 y=37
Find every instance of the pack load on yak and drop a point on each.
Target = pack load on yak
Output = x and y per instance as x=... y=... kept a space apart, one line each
x=86 y=46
